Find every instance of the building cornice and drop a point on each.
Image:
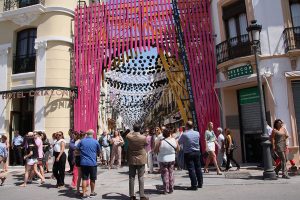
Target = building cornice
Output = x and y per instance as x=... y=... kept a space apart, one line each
x=25 y=16
x=43 y=40
x=61 y=10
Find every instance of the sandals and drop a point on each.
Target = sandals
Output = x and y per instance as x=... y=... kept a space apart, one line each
x=2 y=181
x=206 y=171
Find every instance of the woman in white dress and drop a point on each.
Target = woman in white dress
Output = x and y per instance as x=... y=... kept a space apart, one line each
x=210 y=140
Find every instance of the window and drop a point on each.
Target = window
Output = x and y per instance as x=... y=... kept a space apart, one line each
x=25 y=42
x=295 y=13
x=235 y=19
x=25 y=54
x=25 y=3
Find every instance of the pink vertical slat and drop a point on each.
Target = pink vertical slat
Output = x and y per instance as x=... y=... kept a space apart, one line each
x=110 y=31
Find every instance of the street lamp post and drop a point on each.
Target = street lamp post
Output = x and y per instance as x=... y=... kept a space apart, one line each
x=254 y=29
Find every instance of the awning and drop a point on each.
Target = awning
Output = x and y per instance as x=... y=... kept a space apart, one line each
x=292 y=74
x=237 y=81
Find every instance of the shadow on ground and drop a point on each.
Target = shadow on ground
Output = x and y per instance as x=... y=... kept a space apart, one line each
x=115 y=196
x=68 y=191
x=124 y=173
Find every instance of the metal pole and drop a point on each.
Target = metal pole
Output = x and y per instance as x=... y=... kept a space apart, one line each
x=184 y=60
x=269 y=173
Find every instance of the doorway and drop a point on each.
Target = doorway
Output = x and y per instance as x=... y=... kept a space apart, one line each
x=21 y=119
x=296 y=98
x=251 y=128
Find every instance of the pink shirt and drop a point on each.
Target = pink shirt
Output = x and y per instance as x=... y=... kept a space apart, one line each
x=39 y=144
x=148 y=146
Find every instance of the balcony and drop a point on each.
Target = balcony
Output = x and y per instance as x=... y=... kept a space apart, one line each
x=233 y=48
x=24 y=64
x=15 y=4
x=291 y=38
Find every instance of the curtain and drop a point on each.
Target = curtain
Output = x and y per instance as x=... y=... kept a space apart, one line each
x=243 y=27
x=295 y=9
x=232 y=32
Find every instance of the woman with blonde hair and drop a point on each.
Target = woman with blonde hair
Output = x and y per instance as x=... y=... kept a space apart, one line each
x=116 y=142
x=210 y=139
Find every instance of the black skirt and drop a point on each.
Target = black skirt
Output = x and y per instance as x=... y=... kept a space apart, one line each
x=77 y=161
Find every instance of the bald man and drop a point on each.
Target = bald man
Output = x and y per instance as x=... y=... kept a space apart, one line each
x=89 y=149
x=191 y=148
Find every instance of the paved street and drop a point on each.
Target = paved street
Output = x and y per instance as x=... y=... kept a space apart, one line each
x=113 y=184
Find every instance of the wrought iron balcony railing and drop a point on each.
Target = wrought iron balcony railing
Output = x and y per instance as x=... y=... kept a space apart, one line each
x=24 y=63
x=15 y=4
x=233 y=48
x=291 y=38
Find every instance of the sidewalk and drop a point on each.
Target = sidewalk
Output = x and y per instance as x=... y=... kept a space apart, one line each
x=113 y=184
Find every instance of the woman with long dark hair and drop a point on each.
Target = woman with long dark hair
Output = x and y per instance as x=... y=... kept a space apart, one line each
x=125 y=146
x=60 y=159
x=31 y=158
x=46 y=150
x=229 y=148
x=116 y=142
x=279 y=140
x=77 y=174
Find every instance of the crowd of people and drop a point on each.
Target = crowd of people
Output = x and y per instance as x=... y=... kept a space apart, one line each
x=159 y=150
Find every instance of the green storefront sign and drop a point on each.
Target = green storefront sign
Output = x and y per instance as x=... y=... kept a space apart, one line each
x=240 y=71
x=249 y=95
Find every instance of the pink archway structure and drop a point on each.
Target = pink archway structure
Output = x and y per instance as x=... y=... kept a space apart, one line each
x=104 y=31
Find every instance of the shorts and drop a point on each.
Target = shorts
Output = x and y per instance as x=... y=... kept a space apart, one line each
x=31 y=161
x=2 y=159
x=89 y=172
x=40 y=161
x=106 y=153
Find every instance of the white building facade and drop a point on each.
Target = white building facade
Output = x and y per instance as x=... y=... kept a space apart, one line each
x=279 y=62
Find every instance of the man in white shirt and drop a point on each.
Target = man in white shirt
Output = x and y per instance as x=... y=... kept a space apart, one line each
x=221 y=157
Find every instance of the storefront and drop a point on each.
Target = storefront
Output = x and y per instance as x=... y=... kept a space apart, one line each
x=296 y=99
x=241 y=110
x=251 y=127
x=21 y=106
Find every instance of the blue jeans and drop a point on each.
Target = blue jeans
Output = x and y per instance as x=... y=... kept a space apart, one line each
x=192 y=161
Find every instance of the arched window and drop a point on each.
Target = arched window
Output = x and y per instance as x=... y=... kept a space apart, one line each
x=25 y=57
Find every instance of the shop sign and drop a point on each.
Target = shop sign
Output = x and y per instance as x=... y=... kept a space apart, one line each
x=34 y=93
x=249 y=95
x=240 y=71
